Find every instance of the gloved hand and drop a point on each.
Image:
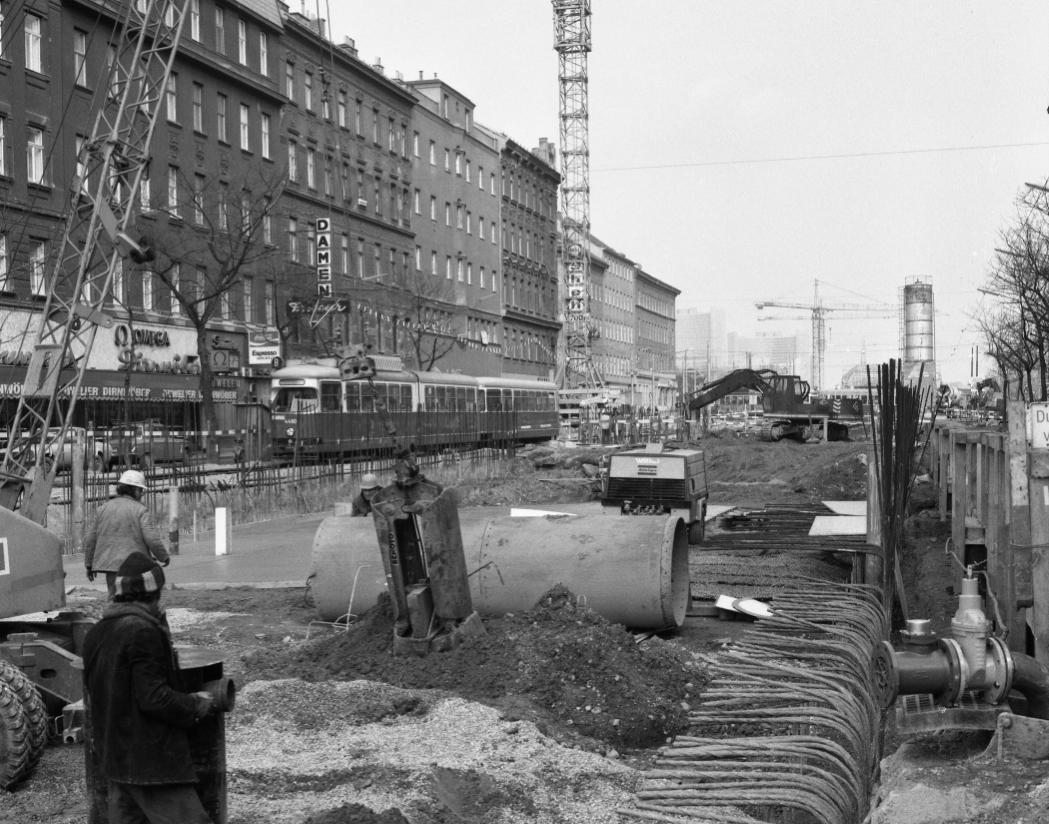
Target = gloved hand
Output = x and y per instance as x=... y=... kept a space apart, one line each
x=205 y=704
x=91 y=574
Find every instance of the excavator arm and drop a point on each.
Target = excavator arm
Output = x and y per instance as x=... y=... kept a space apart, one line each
x=732 y=382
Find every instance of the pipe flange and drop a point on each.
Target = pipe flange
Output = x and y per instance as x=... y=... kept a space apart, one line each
x=1004 y=669
x=958 y=670
x=885 y=675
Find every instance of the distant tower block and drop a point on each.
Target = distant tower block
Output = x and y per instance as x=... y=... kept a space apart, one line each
x=918 y=331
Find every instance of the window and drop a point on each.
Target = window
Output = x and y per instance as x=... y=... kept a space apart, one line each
x=4 y=268
x=378 y=199
x=491 y=183
x=35 y=156
x=289 y=81
x=468 y=172
x=415 y=144
x=391 y=136
x=345 y=175
x=344 y=245
x=375 y=126
x=418 y=258
x=325 y=103
x=242 y=42
x=360 y=257
x=198 y=107
x=433 y=208
x=245 y=142
x=198 y=199
x=249 y=299
x=311 y=167
x=264 y=122
x=447 y=214
x=433 y=153
x=271 y=301
x=172 y=97
x=311 y=245
x=147 y=290
x=342 y=109
x=469 y=219
x=80 y=57
x=173 y=191
x=308 y=91
x=433 y=263
x=293 y=239
x=458 y=163
x=194 y=20
x=245 y=213
x=469 y=274
x=267 y=222
x=448 y=268
x=358 y=117
x=145 y=195
x=480 y=228
x=37 y=264
x=3 y=145
x=264 y=54
x=459 y=216
x=223 y=206
x=480 y=278
x=447 y=161
x=220 y=31
x=378 y=260
x=33 y=26
x=293 y=163
x=415 y=202
x=220 y=113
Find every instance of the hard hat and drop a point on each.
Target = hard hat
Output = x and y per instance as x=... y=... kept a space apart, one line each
x=369 y=481
x=133 y=477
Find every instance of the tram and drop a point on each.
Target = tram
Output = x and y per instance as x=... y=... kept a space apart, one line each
x=316 y=413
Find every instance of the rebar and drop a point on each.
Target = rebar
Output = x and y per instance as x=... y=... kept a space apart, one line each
x=788 y=729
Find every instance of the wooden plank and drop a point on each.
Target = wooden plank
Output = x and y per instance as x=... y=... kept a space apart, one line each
x=1019 y=526
x=959 y=497
x=944 y=479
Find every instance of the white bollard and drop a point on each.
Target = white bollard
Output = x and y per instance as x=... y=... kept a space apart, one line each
x=223 y=531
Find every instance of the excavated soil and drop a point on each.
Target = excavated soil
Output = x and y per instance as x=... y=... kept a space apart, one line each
x=559 y=665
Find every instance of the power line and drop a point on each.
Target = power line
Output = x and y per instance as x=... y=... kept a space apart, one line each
x=803 y=158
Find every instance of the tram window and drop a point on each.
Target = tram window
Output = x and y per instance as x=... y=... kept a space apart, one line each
x=431 y=398
x=460 y=398
x=495 y=403
x=353 y=397
x=442 y=399
x=471 y=399
x=406 y=398
x=508 y=399
x=330 y=397
x=480 y=400
x=551 y=402
x=299 y=399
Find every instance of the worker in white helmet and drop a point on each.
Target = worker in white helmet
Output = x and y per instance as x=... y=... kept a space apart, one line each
x=121 y=526
x=362 y=503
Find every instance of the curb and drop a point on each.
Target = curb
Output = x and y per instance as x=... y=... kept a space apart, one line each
x=204 y=585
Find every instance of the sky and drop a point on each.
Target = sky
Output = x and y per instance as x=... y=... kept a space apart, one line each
x=742 y=151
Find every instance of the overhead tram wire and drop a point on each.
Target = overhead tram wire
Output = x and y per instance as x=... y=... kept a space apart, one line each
x=807 y=158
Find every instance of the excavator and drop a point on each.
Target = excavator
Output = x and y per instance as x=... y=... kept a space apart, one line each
x=788 y=410
x=40 y=665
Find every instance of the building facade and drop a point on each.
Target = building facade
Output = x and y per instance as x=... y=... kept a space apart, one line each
x=656 y=378
x=613 y=307
x=456 y=206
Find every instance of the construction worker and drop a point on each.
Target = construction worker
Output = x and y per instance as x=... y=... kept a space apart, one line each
x=362 y=503
x=122 y=525
x=139 y=711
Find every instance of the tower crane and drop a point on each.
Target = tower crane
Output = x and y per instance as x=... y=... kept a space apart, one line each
x=819 y=310
x=572 y=44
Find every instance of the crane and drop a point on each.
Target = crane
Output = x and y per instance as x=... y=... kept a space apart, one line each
x=819 y=310
x=572 y=44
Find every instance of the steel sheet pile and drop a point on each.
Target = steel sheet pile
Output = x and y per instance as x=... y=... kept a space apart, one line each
x=788 y=729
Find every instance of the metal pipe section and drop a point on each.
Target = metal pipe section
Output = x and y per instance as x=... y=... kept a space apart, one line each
x=630 y=570
x=1031 y=680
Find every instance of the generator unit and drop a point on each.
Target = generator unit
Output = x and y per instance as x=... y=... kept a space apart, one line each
x=657 y=481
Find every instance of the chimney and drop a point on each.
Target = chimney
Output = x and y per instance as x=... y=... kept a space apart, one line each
x=377 y=65
x=349 y=46
x=420 y=74
x=399 y=77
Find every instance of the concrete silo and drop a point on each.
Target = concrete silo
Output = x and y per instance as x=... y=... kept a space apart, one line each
x=918 y=332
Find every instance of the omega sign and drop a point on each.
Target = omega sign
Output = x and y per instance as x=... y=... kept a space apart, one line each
x=124 y=337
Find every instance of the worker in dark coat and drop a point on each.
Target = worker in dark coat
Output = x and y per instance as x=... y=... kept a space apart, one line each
x=362 y=503
x=139 y=711
x=122 y=525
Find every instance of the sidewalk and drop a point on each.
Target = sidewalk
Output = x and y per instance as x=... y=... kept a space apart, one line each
x=268 y=554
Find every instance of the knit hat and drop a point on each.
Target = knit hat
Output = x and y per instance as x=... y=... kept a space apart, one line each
x=139 y=574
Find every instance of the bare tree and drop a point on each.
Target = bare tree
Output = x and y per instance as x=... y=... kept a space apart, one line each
x=432 y=317
x=219 y=232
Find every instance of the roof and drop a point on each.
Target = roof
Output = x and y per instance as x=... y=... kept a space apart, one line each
x=264 y=9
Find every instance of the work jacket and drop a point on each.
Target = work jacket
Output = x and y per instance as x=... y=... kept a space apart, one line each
x=361 y=506
x=121 y=526
x=138 y=712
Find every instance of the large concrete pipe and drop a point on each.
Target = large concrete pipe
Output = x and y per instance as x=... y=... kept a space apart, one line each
x=630 y=570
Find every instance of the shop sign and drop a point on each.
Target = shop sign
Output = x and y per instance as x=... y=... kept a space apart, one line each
x=263 y=348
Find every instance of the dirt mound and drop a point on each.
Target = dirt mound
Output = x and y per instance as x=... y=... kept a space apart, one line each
x=559 y=665
x=356 y=814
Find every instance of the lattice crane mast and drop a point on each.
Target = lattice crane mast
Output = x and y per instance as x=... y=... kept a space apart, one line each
x=96 y=237
x=572 y=43
x=819 y=310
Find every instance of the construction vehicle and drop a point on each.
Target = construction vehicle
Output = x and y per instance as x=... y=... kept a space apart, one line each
x=788 y=411
x=658 y=480
x=40 y=663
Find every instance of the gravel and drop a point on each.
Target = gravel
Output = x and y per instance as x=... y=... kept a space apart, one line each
x=296 y=748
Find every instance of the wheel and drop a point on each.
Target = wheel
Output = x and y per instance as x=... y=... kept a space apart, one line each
x=14 y=738
x=33 y=705
x=696 y=532
x=146 y=461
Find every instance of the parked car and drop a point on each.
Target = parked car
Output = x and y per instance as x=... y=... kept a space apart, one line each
x=97 y=453
x=145 y=443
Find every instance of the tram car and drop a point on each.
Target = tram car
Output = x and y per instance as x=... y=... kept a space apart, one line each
x=316 y=413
